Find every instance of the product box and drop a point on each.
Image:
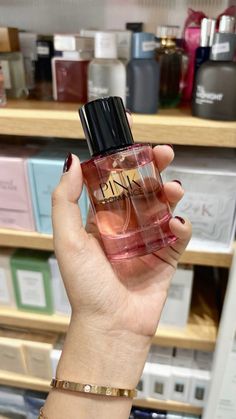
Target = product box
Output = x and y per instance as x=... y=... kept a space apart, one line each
x=183 y=358
x=12 y=355
x=199 y=387
x=72 y=42
x=180 y=384
x=176 y=309
x=209 y=181
x=160 y=382
x=143 y=386
x=12 y=403
x=32 y=280
x=37 y=352
x=15 y=201
x=9 y=40
x=203 y=360
x=60 y=299
x=7 y=297
x=45 y=171
x=34 y=400
x=160 y=355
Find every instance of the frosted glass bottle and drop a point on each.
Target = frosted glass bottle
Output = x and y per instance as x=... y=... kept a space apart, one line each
x=106 y=74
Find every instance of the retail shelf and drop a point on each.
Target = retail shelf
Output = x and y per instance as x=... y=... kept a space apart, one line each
x=34 y=240
x=200 y=333
x=32 y=383
x=174 y=126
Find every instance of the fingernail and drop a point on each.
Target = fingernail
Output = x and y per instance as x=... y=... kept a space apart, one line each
x=177 y=181
x=170 y=145
x=180 y=219
x=128 y=111
x=68 y=162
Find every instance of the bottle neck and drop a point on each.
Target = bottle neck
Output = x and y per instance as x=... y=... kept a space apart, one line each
x=167 y=42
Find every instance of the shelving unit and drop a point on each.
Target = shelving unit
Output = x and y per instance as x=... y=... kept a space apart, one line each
x=174 y=126
x=32 y=383
x=34 y=240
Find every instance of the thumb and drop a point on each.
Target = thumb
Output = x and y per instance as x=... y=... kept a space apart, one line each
x=68 y=231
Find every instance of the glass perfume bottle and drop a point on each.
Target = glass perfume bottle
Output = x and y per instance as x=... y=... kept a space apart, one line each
x=208 y=27
x=173 y=62
x=2 y=89
x=43 y=70
x=106 y=74
x=123 y=183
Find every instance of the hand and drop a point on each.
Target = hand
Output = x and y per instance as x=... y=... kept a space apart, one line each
x=120 y=303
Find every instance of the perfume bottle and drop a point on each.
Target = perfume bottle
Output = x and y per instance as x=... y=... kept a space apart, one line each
x=173 y=61
x=43 y=71
x=123 y=184
x=106 y=74
x=2 y=89
x=208 y=27
x=143 y=75
x=215 y=85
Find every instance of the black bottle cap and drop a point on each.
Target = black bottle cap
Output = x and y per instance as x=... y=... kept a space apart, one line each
x=105 y=125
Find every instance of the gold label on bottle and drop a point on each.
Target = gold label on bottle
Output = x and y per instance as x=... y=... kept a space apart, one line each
x=121 y=185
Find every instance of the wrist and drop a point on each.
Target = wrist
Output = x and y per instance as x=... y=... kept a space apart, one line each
x=97 y=356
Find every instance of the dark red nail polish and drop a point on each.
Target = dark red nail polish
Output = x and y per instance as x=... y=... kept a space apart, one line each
x=128 y=111
x=180 y=219
x=170 y=145
x=177 y=181
x=68 y=162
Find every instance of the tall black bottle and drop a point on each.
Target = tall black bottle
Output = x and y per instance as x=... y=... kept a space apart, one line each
x=143 y=75
x=214 y=95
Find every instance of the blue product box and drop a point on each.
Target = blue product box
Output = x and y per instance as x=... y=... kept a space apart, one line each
x=45 y=170
x=33 y=403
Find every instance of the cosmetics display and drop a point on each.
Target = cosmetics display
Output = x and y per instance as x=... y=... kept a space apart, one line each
x=209 y=180
x=11 y=61
x=44 y=171
x=2 y=88
x=172 y=61
x=15 y=202
x=32 y=281
x=12 y=404
x=7 y=297
x=28 y=46
x=208 y=27
x=143 y=75
x=43 y=71
x=33 y=402
x=214 y=93
x=124 y=186
x=106 y=74
x=70 y=70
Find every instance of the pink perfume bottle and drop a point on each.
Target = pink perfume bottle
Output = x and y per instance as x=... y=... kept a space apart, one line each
x=123 y=183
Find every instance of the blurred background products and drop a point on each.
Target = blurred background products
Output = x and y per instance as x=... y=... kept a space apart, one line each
x=208 y=27
x=43 y=70
x=143 y=74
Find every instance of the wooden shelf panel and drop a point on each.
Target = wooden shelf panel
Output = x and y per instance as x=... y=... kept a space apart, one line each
x=32 y=383
x=29 y=240
x=174 y=126
x=200 y=333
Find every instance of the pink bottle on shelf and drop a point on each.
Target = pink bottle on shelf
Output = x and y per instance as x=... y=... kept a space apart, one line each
x=123 y=183
x=15 y=201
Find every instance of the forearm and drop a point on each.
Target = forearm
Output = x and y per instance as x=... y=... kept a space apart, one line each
x=89 y=356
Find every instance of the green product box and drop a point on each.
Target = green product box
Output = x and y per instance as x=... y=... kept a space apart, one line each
x=32 y=280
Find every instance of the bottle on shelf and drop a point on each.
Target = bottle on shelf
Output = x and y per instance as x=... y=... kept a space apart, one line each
x=143 y=75
x=106 y=74
x=2 y=88
x=11 y=61
x=215 y=86
x=208 y=27
x=173 y=62
x=43 y=71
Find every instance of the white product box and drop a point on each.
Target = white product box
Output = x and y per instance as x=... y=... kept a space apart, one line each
x=55 y=357
x=203 y=360
x=160 y=355
x=37 y=356
x=183 y=357
x=180 y=384
x=199 y=387
x=60 y=299
x=143 y=385
x=209 y=181
x=160 y=382
x=176 y=309
x=12 y=356
x=7 y=296
x=172 y=415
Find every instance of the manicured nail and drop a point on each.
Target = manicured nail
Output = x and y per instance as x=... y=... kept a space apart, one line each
x=177 y=181
x=68 y=162
x=170 y=145
x=180 y=219
x=128 y=111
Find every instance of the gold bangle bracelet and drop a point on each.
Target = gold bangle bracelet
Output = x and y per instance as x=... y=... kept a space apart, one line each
x=92 y=389
x=41 y=414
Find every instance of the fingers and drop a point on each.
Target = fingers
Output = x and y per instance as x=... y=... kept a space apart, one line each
x=174 y=193
x=66 y=217
x=182 y=229
x=163 y=154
